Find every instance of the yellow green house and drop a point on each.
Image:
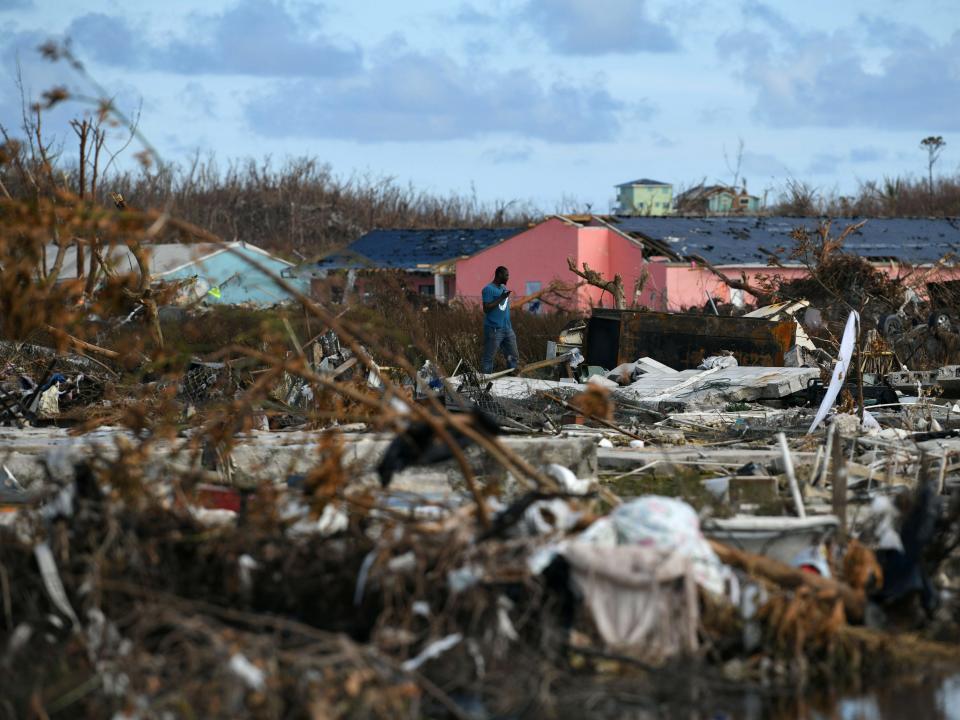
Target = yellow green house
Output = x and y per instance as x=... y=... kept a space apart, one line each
x=644 y=197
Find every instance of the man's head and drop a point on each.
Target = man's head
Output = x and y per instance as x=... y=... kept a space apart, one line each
x=501 y=275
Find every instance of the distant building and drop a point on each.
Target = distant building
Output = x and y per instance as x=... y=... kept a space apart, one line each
x=661 y=260
x=425 y=257
x=231 y=273
x=644 y=197
x=717 y=200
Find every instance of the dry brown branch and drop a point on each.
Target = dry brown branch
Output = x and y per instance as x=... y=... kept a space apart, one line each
x=763 y=298
x=789 y=577
x=594 y=278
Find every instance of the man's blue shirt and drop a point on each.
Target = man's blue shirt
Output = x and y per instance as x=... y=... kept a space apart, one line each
x=499 y=317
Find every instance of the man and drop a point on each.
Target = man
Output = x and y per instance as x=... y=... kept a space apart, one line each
x=497 y=331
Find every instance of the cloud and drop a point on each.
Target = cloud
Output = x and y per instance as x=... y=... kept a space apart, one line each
x=867 y=154
x=467 y=14
x=8 y=5
x=824 y=164
x=662 y=141
x=812 y=78
x=762 y=164
x=508 y=155
x=256 y=37
x=195 y=95
x=106 y=39
x=251 y=37
x=415 y=97
x=598 y=27
x=20 y=61
x=715 y=115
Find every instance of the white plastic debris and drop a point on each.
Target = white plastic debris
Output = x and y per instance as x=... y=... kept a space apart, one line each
x=52 y=582
x=362 y=576
x=669 y=525
x=840 y=369
x=250 y=674
x=718 y=361
x=48 y=404
x=601 y=381
x=463 y=578
x=61 y=505
x=10 y=480
x=548 y=516
x=717 y=487
x=567 y=480
x=883 y=515
x=605 y=443
x=505 y=626
x=814 y=557
x=636 y=443
x=433 y=650
x=576 y=358
x=421 y=608
x=246 y=565
x=403 y=563
x=332 y=520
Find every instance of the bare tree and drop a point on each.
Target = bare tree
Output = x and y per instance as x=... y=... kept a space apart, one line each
x=734 y=166
x=592 y=277
x=934 y=145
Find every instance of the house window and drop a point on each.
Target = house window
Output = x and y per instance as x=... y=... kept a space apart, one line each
x=427 y=290
x=533 y=286
x=744 y=201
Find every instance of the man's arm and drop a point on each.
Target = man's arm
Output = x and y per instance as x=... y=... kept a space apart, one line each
x=488 y=306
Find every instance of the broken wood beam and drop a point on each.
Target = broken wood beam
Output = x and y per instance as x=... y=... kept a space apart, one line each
x=81 y=344
x=789 y=577
x=838 y=483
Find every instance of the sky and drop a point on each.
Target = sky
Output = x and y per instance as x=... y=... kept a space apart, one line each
x=552 y=102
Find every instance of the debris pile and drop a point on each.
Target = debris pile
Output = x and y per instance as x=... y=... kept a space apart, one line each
x=326 y=529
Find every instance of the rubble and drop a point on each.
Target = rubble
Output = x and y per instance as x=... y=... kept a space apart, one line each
x=353 y=537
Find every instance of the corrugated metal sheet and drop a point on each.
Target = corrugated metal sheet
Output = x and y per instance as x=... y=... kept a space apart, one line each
x=752 y=240
x=414 y=249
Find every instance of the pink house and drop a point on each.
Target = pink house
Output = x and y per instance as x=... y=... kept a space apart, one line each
x=539 y=255
x=761 y=247
x=666 y=252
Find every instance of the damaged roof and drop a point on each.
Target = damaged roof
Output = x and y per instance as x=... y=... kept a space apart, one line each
x=414 y=249
x=642 y=181
x=752 y=240
x=164 y=258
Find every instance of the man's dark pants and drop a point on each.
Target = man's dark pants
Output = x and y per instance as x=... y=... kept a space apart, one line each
x=502 y=339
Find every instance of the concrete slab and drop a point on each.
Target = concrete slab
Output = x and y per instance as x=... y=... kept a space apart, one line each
x=272 y=456
x=693 y=389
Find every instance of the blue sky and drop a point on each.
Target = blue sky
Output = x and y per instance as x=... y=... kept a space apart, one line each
x=552 y=101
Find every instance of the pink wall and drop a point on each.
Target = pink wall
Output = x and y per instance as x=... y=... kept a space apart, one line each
x=538 y=254
x=686 y=283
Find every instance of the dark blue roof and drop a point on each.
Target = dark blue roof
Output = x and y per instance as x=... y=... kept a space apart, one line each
x=643 y=181
x=751 y=240
x=408 y=249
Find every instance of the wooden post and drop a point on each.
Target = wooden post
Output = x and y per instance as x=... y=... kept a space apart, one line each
x=838 y=481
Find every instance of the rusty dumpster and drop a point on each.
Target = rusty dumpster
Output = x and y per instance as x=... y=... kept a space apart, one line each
x=683 y=341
